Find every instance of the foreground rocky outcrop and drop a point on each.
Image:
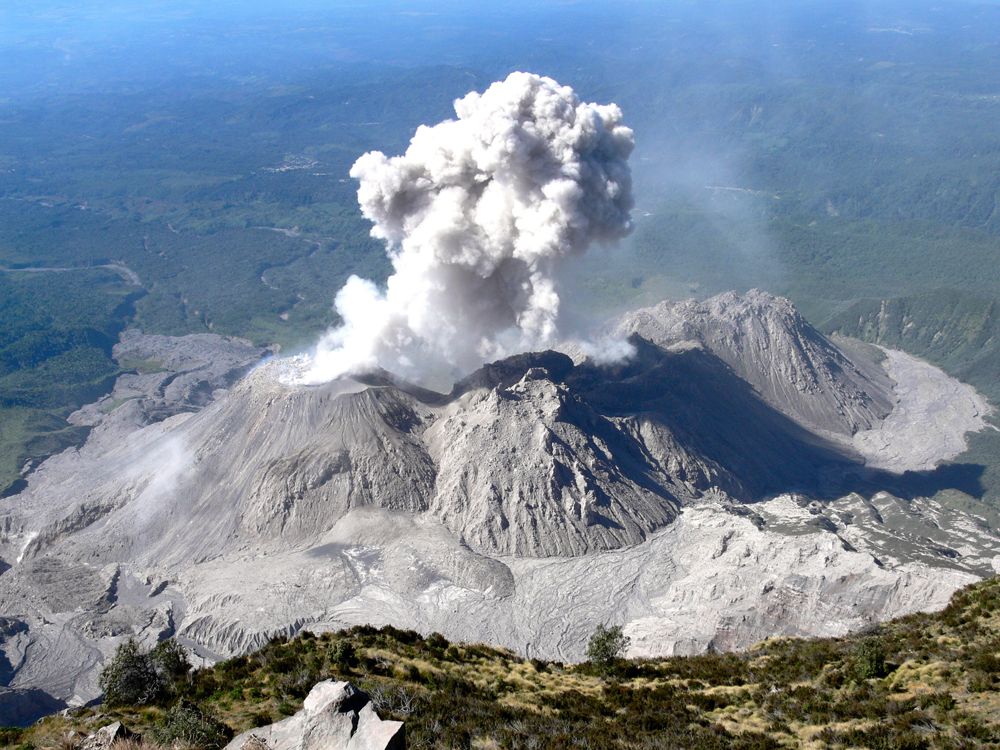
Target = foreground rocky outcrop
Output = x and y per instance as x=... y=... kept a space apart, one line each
x=106 y=737
x=335 y=716
x=669 y=493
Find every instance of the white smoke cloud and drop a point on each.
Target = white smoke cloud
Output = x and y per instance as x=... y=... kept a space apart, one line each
x=477 y=215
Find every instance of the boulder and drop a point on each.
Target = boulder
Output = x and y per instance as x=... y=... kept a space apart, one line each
x=335 y=716
x=254 y=742
x=104 y=737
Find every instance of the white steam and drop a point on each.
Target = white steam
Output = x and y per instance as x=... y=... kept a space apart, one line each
x=477 y=215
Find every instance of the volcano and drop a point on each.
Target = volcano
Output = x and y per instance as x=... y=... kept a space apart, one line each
x=719 y=486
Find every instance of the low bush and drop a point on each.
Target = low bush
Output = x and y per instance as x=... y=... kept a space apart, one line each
x=131 y=677
x=187 y=724
x=607 y=645
x=869 y=659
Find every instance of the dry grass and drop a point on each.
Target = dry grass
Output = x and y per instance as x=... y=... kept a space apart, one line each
x=140 y=744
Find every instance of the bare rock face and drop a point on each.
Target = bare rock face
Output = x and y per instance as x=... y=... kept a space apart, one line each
x=769 y=345
x=335 y=716
x=106 y=736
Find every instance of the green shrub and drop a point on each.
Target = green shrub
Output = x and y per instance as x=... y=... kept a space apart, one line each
x=131 y=677
x=298 y=683
x=260 y=719
x=979 y=682
x=973 y=728
x=869 y=659
x=984 y=660
x=170 y=659
x=607 y=645
x=343 y=655
x=186 y=724
x=436 y=642
x=136 y=678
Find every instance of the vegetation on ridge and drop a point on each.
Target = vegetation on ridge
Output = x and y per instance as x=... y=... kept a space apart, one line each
x=923 y=681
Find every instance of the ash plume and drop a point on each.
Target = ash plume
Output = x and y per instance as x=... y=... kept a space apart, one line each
x=477 y=216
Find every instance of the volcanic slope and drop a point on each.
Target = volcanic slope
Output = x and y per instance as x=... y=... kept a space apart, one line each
x=790 y=364
x=537 y=499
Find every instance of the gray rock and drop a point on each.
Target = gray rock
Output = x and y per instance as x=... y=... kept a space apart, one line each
x=335 y=716
x=375 y=734
x=254 y=742
x=104 y=737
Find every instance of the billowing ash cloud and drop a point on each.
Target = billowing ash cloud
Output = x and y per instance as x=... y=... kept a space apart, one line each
x=477 y=215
